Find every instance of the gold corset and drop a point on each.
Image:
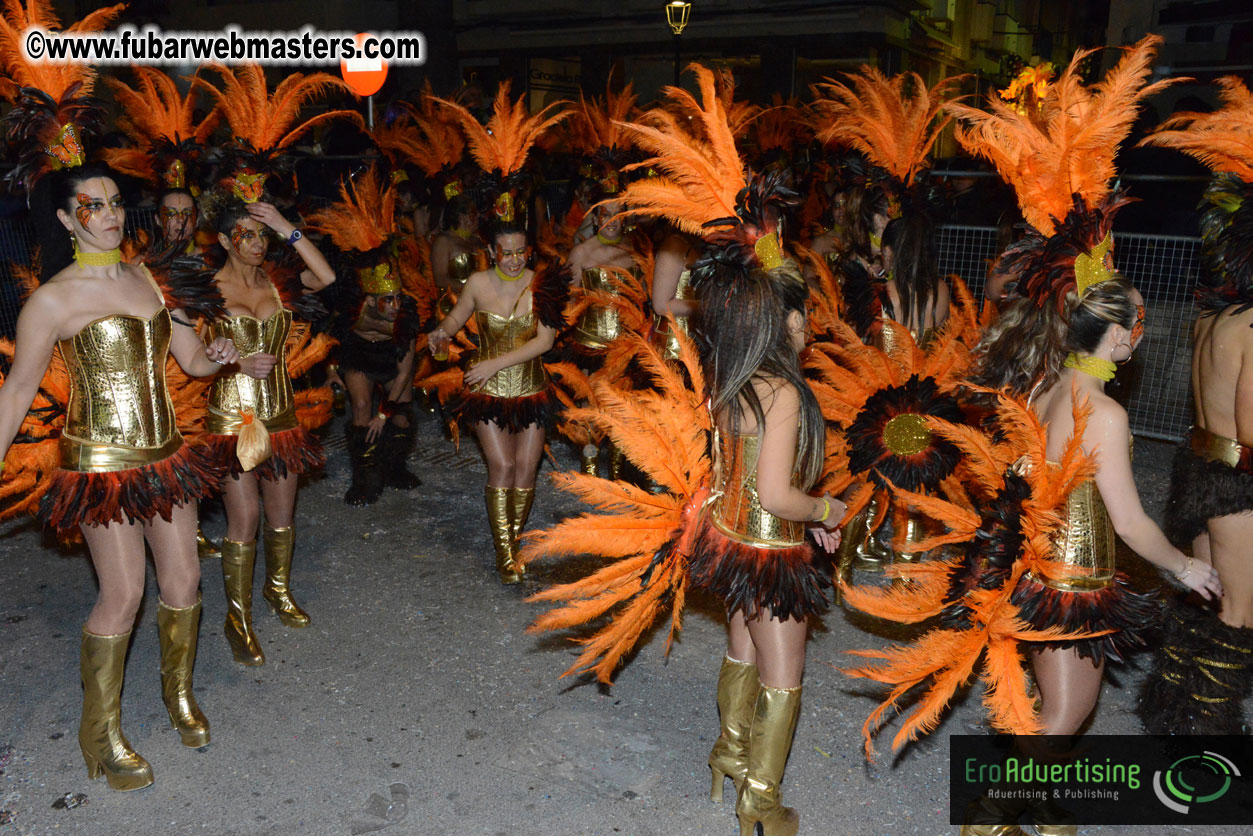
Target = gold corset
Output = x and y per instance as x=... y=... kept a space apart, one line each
x=460 y=266
x=270 y=399
x=119 y=414
x=599 y=325
x=498 y=335
x=887 y=337
x=1085 y=542
x=668 y=343
x=737 y=512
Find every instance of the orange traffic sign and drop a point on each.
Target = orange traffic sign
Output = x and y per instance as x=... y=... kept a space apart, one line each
x=364 y=76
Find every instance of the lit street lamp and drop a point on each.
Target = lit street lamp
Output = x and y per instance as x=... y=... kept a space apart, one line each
x=677 y=14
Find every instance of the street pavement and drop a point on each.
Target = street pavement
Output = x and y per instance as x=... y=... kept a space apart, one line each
x=416 y=703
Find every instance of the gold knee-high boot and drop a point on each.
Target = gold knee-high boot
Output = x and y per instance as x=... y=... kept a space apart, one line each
x=179 y=629
x=617 y=461
x=206 y=548
x=737 y=697
x=520 y=500
x=238 y=562
x=502 y=534
x=769 y=742
x=102 y=661
x=280 y=545
x=589 y=457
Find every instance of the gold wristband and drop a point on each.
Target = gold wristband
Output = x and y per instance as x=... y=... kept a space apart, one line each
x=826 y=512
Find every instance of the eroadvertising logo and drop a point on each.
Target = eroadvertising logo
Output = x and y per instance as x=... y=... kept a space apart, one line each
x=1100 y=779
x=1173 y=788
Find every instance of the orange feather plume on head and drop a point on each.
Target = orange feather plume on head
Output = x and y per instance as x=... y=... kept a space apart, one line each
x=156 y=115
x=598 y=123
x=364 y=217
x=893 y=121
x=1063 y=143
x=268 y=120
x=433 y=141
x=503 y=144
x=52 y=78
x=1222 y=140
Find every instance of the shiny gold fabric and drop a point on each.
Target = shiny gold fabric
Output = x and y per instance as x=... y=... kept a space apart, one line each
x=737 y=512
x=669 y=343
x=1216 y=448
x=599 y=325
x=119 y=414
x=460 y=266
x=1085 y=542
x=887 y=340
x=498 y=335
x=271 y=400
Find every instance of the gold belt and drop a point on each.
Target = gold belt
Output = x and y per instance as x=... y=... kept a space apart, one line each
x=1071 y=583
x=1216 y=448
x=755 y=542
x=230 y=423
x=93 y=457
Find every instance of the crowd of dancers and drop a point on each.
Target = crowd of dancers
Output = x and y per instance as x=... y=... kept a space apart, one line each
x=740 y=325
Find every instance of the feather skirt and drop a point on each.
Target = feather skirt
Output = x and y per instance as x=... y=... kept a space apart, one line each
x=1127 y=614
x=1200 y=490
x=510 y=414
x=136 y=494
x=788 y=582
x=296 y=452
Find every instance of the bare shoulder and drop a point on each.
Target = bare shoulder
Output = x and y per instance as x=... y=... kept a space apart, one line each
x=1107 y=420
x=776 y=394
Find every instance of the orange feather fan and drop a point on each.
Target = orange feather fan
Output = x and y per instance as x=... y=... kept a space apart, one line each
x=35 y=453
x=980 y=630
x=503 y=144
x=1223 y=139
x=1064 y=143
x=268 y=120
x=646 y=538
x=52 y=78
x=893 y=121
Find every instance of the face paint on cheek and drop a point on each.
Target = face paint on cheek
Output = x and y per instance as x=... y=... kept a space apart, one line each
x=239 y=234
x=85 y=209
x=1137 y=331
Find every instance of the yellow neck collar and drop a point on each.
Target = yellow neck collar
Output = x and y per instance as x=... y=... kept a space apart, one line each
x=504 y=277
x=1097 y=367
x=101 y=259
x=609 y=241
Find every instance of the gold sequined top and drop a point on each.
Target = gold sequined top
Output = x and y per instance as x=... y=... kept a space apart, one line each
x=270 y=399
x=119 y=414
x=668 y=343
x=1084 y=542
x=599 y=325
x=737 y=511
x=498 y=335
x=886 y=339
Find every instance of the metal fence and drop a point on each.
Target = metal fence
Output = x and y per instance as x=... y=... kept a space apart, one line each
x=1155 y=386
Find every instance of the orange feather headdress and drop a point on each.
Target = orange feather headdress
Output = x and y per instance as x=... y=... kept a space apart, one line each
x=704 y=189
x=1222 y=140
x=597 y=134
x=362 y=224
x=53 y=112
x=1057 y=150
x=892 y=121
x=430 y=139
x=501 y=147
x=263 y=124
x=162 y=123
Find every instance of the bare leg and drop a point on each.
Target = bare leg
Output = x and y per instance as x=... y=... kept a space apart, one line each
x=279 y=499
x=739 y=640
x=174 y=555
x=499 y=450
x=243 y=512
x=528 y=450
x=1229 y=542
x=1069 y=687
x=360 y=395
x=780 y=650
x=117 y=554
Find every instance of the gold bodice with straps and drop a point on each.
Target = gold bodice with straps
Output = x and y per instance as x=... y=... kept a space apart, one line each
x=737 y=510
x=599 y=325
x=460 y=266
x=887 y=338
x=498 y=335
x=668 y=343
x=119 y=413
x=271 y=400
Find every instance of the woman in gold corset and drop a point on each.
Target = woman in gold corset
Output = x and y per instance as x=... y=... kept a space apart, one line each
x=259 y=320
x=915 y=294
x=455 y=249
x=1069 y=358
x=752 y=552
x=672 y=291
x=126 y=477
x=508 y=399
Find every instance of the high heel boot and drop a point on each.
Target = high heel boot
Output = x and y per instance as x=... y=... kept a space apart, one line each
x=102 y=661
x=280 y=544
x=520 y=500
x=178 y=630
x=737 y=697
x=206 y=549
x=502 y=534
x=238 y=561
x=769 y=742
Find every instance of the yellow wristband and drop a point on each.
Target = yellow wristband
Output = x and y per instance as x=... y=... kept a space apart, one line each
x=826 y=513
